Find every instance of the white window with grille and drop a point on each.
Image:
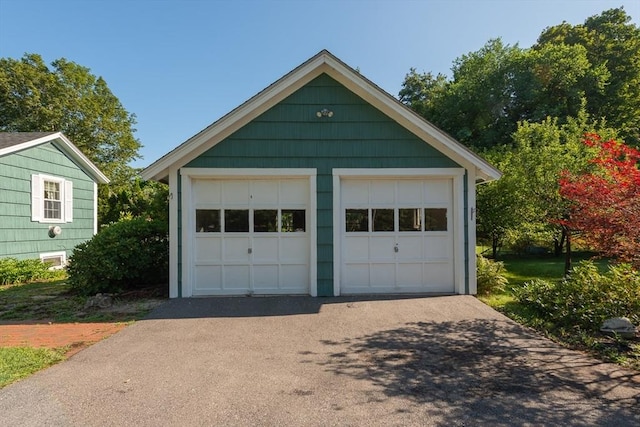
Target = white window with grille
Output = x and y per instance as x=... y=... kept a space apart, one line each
x=51 y=199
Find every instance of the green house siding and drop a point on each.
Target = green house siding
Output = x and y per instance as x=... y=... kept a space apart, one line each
x=19 y=236
x=290 y=135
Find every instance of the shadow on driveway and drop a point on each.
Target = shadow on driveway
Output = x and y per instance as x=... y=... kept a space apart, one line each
x=489 y=372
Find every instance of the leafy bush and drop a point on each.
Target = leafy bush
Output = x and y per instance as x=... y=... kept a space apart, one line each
x=490 y=276
x=586 y=298
x=22 y=271
x=127 y=255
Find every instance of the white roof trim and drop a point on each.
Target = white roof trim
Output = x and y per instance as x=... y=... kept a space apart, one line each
x=68 y=147
x=323 y=62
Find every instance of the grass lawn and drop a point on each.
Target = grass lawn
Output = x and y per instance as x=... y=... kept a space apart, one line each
x=520 y=270
x=53 y=302
x=20 y=362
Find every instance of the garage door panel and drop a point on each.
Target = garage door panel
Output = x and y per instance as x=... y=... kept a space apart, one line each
x=235 y=193
x=208 y=277
x=382 y=193
x=410 y=275
x=383 y=275
x=236 y=276
x=207 y=192
x=355 y=193
x=437 y=191
x=266 y=249
x=356 y=275
x=410 y=247
x=294 y=249
x=382 y=247
x=260 y=238
x=265 y=193
x=294 y=192
x=294 y=278
x=396 y=255
x=357 y=248
x=236 y=249
x=410 y=193
x=265 y=277
x=437 y=247
x=208 y=248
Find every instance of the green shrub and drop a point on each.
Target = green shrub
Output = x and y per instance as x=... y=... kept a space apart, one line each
x=22 y=271
x=490 y=276
x=127 y=255
x=586 y=298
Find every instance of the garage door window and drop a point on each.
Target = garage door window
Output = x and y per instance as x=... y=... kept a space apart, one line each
x=435 y=219
x=236 y=220
x=208 y=220
x=382 y=219
x=409 y=219
x=293 y=220
x=357 y=220
x=265 y=220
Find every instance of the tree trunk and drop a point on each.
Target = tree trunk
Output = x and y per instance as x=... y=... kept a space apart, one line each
x=567 y=259
x=558 y=245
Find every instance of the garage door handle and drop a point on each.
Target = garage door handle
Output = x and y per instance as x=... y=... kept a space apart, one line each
x=249 y=250
x=395 y=248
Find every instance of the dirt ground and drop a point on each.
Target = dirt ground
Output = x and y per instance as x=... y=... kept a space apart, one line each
x=74 y=336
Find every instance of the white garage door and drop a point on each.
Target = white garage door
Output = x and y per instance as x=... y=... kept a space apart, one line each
x=250 y=236
x=397 y=236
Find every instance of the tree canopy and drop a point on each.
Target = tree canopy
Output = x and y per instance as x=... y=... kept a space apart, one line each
x=68 y=98
x=595 y=66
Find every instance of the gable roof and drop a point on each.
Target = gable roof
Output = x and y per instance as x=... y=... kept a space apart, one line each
x=12 y=142
x=323 y=62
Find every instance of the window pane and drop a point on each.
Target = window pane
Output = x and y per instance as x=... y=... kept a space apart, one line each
x=265 y=220
x=435 y=219
x=208 y=220
x=357 y=220
x=52 y=209
x=382 y=219
x=236 y=220
x=51 y=190
x=293 y=220
x=409 y=219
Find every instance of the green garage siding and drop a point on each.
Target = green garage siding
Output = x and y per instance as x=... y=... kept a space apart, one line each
x=19 y=236
x=290 y=135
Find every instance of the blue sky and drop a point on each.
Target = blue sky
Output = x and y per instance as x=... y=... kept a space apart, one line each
x=181 y=65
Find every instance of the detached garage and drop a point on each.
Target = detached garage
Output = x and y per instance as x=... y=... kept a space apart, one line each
x=322 y=185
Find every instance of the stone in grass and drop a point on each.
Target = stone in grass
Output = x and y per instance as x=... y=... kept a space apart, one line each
x=620 y=326
x=99 y=300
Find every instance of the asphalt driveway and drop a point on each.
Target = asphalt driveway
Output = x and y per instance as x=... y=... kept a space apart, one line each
x=325 y=361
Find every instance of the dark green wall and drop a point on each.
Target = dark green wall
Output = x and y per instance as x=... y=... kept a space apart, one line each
x=290 y=135
x=19 y=236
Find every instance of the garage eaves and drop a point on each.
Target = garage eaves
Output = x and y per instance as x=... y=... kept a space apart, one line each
x=323 y=62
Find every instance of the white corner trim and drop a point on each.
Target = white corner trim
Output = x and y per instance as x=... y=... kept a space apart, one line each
x=95 y=208
x=173 y=233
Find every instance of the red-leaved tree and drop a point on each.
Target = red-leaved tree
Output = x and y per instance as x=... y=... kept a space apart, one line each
x=606 y=201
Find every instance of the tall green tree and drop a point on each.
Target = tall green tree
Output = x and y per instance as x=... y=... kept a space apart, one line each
x=67 y=97
x=498 y=86
x=612 y=44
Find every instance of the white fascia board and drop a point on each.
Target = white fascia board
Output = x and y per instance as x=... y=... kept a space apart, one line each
x=410 y=120
x=68 y=147
x=352 y=80
x=233 y=121
x=80 y=158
